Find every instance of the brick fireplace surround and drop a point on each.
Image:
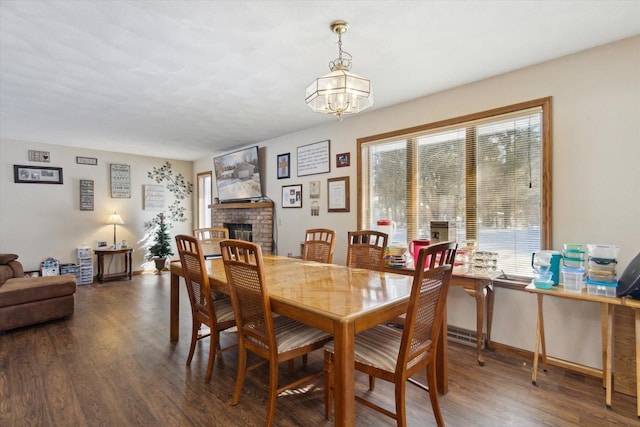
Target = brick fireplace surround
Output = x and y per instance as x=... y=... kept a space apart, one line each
x=258 y=214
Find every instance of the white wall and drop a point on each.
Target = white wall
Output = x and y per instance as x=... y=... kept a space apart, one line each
x=38 y=221
x=596 y=178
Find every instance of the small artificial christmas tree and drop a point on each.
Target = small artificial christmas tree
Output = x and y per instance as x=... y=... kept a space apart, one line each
x=162 y=241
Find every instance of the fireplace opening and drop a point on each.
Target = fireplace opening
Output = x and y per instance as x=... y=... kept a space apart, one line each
x=239 y=231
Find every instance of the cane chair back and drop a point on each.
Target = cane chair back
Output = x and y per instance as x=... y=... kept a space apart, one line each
x=275 y=339
x=395 y=355
x=318 y=245
x=217 y=314
x=210 y=239
x=366 y=249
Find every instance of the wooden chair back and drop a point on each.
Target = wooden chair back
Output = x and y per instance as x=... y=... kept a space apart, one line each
x=196 y=278
x=250 y=297
x=423 y=322
x=210 y=239
x=318 y=245
x=366 y=249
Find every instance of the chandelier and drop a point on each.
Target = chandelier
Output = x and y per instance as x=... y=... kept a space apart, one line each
x=340 y=92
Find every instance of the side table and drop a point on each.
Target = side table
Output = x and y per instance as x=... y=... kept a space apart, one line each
x=128 y=263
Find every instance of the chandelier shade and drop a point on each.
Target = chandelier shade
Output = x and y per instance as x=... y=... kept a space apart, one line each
x=340 y=92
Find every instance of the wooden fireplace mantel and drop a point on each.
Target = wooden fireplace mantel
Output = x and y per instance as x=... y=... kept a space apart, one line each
x=252 y=205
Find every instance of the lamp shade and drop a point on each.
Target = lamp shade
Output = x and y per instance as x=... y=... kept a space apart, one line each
x=114 y=218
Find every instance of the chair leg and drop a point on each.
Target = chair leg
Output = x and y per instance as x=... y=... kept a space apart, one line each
x=242 y=370
x=213 y=346
x=372 y=382
x=195 y=325
x=328 y=384
x=273 y=391
x=401 y=413
x=433 y=393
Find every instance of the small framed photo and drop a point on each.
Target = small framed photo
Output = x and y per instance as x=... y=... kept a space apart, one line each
x=86 y=160
x=292 y=196
x=343 y=159
x=314 y=189
x=37 y=174
x=102 y=244
x=338 y=194
x=284 y=165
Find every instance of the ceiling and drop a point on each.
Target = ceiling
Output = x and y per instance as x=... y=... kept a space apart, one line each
x=181 y=79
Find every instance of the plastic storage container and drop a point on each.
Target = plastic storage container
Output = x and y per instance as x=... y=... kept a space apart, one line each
x=601 y=276
x=573 y=279
x=601 y=288
x=597 y=250
x=602 y=264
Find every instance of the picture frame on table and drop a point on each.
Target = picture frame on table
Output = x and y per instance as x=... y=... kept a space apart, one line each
x=37 y=174
x=338 y=194
x=292 y=196
x=283 y=165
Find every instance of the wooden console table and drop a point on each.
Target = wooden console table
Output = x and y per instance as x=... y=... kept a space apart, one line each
x=128 y=263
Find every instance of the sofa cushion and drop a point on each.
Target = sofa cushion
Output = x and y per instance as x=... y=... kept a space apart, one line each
x=6 y=273
x=23 y=290
x=5 y=258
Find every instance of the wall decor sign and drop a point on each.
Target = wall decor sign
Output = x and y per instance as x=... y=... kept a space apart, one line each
x=39 y=156
x=343 y=159
x=314 y=158
x=86 y=160
x=120 y=181
x=37 y=175
x=284 y=165
x=153 y=197
x=86 y=194
x=338 y=193
x=292 y=196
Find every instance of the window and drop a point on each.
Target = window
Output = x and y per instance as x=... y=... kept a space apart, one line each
x=486 y=174
x=204 y=199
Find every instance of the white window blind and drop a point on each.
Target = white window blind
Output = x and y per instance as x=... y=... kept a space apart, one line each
x=484 y=175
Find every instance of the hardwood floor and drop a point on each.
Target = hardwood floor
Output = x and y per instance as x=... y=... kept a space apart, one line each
x=112 y=364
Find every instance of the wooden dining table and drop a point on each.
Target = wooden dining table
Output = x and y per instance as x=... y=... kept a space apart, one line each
x=337 y=299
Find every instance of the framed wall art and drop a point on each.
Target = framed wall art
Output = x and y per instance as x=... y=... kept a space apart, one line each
x=86 y=194
x=37 y=175
x=314 y=189
x=153 y=197
x=86 y=161
x=292 y=196
x=343 y=159
x=284 y=165
x=120 y=181
x=314 y=158
x=338 y=194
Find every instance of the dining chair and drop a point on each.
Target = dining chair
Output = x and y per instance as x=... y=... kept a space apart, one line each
x=318 y=245
x=395 y=355
x=210 y=239
x=274 y=338
x=206 y=309
x=366 y=249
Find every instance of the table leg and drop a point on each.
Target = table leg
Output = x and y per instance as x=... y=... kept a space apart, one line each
x=101 y=268
x=344 y=374
x=607 y=369
x=480 y=297
x=174 y=310
x=637 y=325
x=129 y=258
x=539 y=340
x=603 y=341
x=490 y=298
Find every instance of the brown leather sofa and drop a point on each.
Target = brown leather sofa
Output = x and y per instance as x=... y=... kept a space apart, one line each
x=27 y=301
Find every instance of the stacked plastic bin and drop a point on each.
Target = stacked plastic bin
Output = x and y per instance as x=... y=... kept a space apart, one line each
x=601 y=273
x=573 y=267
